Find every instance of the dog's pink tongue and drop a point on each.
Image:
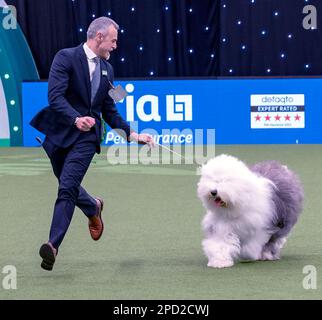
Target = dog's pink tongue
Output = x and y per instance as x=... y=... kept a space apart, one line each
x=218 y=203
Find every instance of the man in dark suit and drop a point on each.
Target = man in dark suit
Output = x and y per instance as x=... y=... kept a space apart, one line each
x=78 y=86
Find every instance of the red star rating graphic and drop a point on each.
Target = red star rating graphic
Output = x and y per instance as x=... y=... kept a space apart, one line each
x=297 y=117
x=287 y=118
x=276 y=119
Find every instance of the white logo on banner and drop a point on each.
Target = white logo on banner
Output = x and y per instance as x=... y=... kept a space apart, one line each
x=147 y=107
x=278 y=111
x=179 y=108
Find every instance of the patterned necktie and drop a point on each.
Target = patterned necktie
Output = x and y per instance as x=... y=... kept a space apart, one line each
x=96 y=77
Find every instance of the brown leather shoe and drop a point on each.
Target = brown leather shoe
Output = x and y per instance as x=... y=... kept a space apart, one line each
x=95 y=223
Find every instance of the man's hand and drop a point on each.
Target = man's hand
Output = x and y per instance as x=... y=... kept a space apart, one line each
x=85 y=123
x=142 y=138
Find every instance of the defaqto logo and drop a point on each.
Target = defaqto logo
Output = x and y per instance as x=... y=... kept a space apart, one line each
x=147 y=107
x=276 y=111
x=278 y=99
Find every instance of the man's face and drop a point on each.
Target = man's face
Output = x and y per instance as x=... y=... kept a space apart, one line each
x=107 y=42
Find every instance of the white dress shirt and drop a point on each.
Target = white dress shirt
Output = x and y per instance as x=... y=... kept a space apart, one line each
x=90 y=59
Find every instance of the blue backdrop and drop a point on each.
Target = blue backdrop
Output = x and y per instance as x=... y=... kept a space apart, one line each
x=263 y=111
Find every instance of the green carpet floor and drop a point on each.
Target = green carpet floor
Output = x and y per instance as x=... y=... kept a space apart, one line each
x=151 y=247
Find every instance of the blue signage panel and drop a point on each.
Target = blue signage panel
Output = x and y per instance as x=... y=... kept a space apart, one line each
x=263 y=111
x=34 y=98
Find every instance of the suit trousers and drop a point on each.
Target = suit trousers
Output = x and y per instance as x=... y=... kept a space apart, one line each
x=70 y=166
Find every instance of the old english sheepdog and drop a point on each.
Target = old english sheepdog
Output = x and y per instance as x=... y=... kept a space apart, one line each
x=250 y=210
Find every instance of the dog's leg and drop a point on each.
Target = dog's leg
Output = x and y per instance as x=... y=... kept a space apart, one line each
x=251 y=249
x=272 y=249
x=221 y=253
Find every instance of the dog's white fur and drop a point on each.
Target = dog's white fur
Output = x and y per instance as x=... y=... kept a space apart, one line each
x=237 y=230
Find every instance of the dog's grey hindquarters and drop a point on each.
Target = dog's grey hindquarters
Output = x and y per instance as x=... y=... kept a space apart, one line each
x=287 y=197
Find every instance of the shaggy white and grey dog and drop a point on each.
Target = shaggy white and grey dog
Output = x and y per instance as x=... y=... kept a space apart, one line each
x=250 y=210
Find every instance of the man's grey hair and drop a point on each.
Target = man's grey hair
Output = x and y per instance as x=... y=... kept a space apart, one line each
x=100 y=25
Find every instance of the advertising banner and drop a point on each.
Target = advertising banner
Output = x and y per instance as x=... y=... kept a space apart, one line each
x=263 y=111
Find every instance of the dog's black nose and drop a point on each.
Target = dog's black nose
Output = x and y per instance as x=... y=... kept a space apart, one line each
x=214 y=193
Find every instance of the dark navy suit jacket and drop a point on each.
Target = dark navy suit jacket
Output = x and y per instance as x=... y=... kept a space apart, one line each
x=69 y=96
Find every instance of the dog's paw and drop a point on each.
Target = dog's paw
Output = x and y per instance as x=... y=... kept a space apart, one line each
x=220 y=263
x=269 y=256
